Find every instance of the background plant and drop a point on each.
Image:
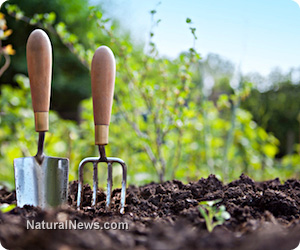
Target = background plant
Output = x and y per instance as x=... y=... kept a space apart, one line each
x=168 y=120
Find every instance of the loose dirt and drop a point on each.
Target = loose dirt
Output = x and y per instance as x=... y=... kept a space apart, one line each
x=264 y=215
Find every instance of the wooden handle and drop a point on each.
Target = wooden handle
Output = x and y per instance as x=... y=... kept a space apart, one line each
x=39 y=63
x=103 y=82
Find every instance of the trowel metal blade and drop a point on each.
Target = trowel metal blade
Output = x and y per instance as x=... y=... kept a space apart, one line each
x=44 y=185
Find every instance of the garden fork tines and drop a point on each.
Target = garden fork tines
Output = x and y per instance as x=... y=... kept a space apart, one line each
x=103 y=79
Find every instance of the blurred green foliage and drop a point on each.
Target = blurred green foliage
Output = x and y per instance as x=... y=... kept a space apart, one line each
x=166 y=121
x=70 y=75
x=277 y=110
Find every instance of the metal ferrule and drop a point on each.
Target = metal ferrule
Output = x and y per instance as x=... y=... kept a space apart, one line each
x=41 y=121
x=101 y=134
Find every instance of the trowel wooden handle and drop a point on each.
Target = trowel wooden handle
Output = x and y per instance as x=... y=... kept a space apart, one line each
x=39 y=63
x=103 y=82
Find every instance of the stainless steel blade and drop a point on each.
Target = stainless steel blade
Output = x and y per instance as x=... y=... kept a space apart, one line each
x=44 y=185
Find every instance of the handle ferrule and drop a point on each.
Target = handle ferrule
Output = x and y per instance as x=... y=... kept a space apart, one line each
x=101 y=134
x=41 y=121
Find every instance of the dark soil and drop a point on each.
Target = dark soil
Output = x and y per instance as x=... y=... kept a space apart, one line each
x=264 y=216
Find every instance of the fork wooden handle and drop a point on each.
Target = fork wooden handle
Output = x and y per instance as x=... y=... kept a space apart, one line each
x=103 y=72
x=39 y=63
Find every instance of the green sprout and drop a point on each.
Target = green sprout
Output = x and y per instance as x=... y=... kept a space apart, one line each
x=213 y=215
x=4 y=208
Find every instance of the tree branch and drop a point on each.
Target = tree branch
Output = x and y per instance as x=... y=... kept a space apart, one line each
x=6 y=64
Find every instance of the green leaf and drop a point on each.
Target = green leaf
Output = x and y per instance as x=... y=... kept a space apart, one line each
x=226 y=215
x=50 y=17
x=210 y=203
x=4 y=208
x=98 y=14
x=105 y=20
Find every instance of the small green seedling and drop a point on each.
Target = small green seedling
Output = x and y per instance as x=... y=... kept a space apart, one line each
x=4 y=208
x=213 y=216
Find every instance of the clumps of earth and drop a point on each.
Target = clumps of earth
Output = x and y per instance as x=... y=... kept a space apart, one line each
x=263 y=215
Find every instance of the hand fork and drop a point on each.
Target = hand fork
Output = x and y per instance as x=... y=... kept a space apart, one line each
x=103 y=79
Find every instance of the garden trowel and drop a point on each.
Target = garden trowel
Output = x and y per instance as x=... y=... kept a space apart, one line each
x=40 y=180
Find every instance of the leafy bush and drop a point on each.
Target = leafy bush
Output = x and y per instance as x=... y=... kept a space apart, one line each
x=163 y=124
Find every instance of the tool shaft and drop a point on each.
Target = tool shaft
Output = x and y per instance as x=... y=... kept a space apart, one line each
x=40 y=152
x=102 y=153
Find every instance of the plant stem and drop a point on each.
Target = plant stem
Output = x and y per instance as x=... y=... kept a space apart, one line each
x=229 y=140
